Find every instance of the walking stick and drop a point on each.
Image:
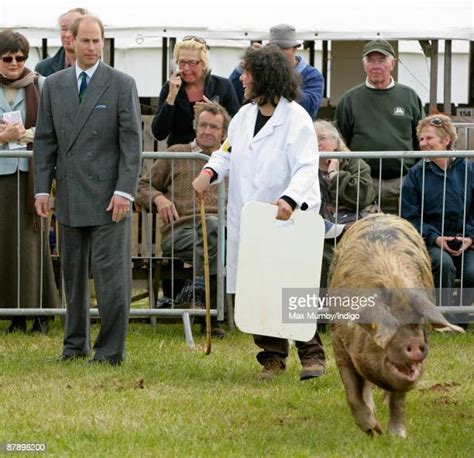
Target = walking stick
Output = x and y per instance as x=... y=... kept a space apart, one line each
x=207 y=286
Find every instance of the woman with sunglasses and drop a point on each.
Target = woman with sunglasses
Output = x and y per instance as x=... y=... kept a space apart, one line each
x=191 y=85
x=435 y=194
x=20 y=229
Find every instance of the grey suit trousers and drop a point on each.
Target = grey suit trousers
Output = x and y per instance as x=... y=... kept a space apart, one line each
x=106 y=250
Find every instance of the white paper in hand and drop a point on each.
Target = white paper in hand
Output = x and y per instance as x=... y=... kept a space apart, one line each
x=13 y=117
x=274 y=255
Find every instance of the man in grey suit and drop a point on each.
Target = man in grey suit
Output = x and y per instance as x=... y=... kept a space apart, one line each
x=88 y=136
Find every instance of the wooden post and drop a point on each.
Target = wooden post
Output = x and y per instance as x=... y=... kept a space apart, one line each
x=447 y=76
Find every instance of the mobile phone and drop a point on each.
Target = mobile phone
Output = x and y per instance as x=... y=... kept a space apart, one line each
x=455 y=244
x=173 y=68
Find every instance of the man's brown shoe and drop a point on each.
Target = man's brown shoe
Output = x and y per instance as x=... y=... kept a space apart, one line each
x=312 y=370
x=271 y=368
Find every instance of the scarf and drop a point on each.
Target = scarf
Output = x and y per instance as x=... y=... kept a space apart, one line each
x=28 y=81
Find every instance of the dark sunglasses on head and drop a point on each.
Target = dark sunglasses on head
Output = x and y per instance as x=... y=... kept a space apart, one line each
x=440 y=123
x=9 y=59
x=195 y=38
x=437 y=122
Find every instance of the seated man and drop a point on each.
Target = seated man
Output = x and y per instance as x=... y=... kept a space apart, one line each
x=169 y=190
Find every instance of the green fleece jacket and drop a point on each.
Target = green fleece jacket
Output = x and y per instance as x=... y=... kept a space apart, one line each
x=380 y=120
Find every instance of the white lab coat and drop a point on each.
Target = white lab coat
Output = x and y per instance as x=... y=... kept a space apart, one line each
x=281 y=160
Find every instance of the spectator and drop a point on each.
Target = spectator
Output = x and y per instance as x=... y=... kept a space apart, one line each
x=312 y=81
x=273 y=159
x=346 y=182
x=381 y=115
x=347 y=179
x=168 y=188
x=186 y=90
x=65 y=56
x=89 y=137
x=21 y=282
x=435 y=192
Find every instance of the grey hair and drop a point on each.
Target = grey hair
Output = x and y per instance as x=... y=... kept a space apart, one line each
x=325 y=126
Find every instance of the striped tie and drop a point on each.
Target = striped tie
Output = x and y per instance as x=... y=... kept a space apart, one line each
x=83 y=86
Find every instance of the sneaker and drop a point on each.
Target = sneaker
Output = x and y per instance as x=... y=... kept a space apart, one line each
x=312 y=370
x=271 y=368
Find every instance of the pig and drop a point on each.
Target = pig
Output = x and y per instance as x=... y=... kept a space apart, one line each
x=387 y=346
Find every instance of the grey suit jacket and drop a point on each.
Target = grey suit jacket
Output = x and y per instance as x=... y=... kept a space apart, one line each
x=93 y=148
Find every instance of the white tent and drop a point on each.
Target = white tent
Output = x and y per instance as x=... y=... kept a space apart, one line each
x=138 y=28
x=322 y=20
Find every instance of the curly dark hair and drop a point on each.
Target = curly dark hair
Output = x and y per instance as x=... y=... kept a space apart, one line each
x=273 y=76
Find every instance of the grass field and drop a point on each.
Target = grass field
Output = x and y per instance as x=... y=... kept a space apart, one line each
x=167 y=400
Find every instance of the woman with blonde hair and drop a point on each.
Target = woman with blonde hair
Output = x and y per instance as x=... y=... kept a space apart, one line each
x=191 y=85
x=437 y=198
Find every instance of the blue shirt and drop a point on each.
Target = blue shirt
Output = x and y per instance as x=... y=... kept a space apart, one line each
x=433 y=199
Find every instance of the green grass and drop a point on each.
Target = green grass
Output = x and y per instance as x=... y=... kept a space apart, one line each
x=167 y=400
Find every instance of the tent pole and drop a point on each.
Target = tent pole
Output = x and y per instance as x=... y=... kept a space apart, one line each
x=434 y=77
x=447 y=76
x=324 y=67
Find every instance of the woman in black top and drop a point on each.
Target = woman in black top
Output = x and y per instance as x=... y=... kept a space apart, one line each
x=183 y=94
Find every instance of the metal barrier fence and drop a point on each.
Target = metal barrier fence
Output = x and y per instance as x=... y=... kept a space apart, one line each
x=146 y=254
x=149 y=253
x=467 y=155
x=465 y=131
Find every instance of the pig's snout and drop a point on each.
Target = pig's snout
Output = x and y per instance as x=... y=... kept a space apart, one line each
x=416 y=350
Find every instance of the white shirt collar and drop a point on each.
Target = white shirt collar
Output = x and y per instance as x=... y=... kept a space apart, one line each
x=392 y=83
x=195 y=148
x=89 y=72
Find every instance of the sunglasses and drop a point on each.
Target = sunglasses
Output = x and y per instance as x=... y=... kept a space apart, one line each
x=9 y=59
x=195 y=38
x=191 y=62
x=437 y=122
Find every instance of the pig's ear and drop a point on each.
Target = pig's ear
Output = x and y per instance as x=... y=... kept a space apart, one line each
x=384 y=333
x=379 y=322
x=430 y=314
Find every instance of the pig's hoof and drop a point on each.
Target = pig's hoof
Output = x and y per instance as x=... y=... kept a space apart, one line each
x=397 y=430
x=376 y=429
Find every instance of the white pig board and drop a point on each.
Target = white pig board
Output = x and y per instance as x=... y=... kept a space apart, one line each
x=274 y=255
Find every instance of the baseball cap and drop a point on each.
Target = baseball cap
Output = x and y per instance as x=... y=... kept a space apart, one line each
x=381 y=46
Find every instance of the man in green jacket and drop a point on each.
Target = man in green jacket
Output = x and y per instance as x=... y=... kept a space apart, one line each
x=381 y=115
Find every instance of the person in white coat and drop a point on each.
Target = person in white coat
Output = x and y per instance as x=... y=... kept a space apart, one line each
x=270 y=156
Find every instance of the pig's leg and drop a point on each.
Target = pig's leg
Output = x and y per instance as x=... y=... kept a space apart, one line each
x=362 y=413
x=396 y=422
x=367 y=396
